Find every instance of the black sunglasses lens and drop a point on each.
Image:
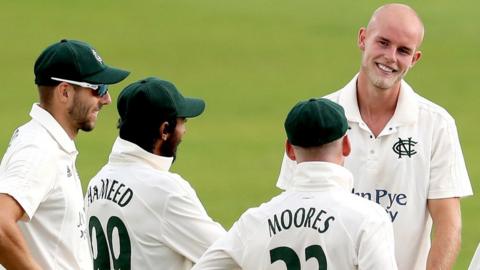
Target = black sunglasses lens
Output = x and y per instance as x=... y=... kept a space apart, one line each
x=102 y=89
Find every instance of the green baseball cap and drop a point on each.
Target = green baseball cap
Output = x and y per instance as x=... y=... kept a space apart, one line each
x=146 y=99
x=315 y=122
x=77 y=61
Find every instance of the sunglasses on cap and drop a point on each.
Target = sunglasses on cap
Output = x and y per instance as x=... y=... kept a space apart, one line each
x=101 y=89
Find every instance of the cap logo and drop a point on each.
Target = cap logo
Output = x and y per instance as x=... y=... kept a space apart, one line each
x=99 y=59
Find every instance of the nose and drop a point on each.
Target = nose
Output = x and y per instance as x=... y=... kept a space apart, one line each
x=390 y=54
x=106 y=99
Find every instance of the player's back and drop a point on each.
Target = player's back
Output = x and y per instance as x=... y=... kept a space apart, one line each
x=124 y=212
x=140 y=215
x=316 y=230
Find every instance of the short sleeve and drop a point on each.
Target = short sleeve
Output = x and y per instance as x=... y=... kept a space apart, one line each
x=448 y=173
x=27 y=174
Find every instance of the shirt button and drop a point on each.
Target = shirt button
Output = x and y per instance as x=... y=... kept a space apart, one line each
x=372 y=152
x=371 y=136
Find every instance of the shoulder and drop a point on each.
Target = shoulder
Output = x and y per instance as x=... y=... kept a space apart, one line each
x=258 y=214
x=151 y=189
x=335 y=96
x=357 y=215
x=347 y=90
x=355 y=209
x=173 y=183
x=149 y=180
x=431 y=111
x=31 y=142
x=366 y=206
x=32 y=135
x=170 y=189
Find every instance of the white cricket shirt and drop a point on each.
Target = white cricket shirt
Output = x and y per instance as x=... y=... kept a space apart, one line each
x=38 y=170
x=416 y=157
x=144 y=215
x=317 y=222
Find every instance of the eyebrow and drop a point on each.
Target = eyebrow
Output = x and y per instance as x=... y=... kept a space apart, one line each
x=404 y=48
x=383 y=39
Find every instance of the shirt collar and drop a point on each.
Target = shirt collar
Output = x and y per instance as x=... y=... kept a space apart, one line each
x=53 y=127
x=124 y=150
x=405 y=113
x=318 y=175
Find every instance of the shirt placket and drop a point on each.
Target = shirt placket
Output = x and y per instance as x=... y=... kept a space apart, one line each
x=369 y=146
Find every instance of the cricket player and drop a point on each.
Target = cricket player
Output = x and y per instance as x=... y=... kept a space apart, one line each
x=42 y=218
x=316 y=223
x=406 y=154
x=140 y=215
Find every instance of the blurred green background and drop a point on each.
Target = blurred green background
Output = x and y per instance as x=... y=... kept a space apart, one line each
x=251 y=61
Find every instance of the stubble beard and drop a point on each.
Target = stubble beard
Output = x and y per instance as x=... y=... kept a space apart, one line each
x=79 y=114
x=169 y=147
x=385 y=83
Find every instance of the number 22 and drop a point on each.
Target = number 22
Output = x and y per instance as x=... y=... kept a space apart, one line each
x=290 y=257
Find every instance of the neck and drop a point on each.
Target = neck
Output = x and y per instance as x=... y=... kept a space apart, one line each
x=330 y=159
x=331 y=153
x=376 y=105
x=62 y=118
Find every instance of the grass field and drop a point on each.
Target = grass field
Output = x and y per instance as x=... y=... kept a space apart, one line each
x=251 y=61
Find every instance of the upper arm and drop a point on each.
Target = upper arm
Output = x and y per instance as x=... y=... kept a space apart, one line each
x=188 y=229
x=216 y=259
x=448 y=173
x=28 y=174
x=226 y=253
x=10 y=209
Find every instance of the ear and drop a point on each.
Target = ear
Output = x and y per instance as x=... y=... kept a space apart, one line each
x=362 y=35
x=62 y=92
x=164 y=134
x=289 y=150
x=346 y=147
x=416 y=56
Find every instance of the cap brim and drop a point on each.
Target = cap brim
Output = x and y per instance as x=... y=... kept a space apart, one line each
x=107 y=76
x=191 y=108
